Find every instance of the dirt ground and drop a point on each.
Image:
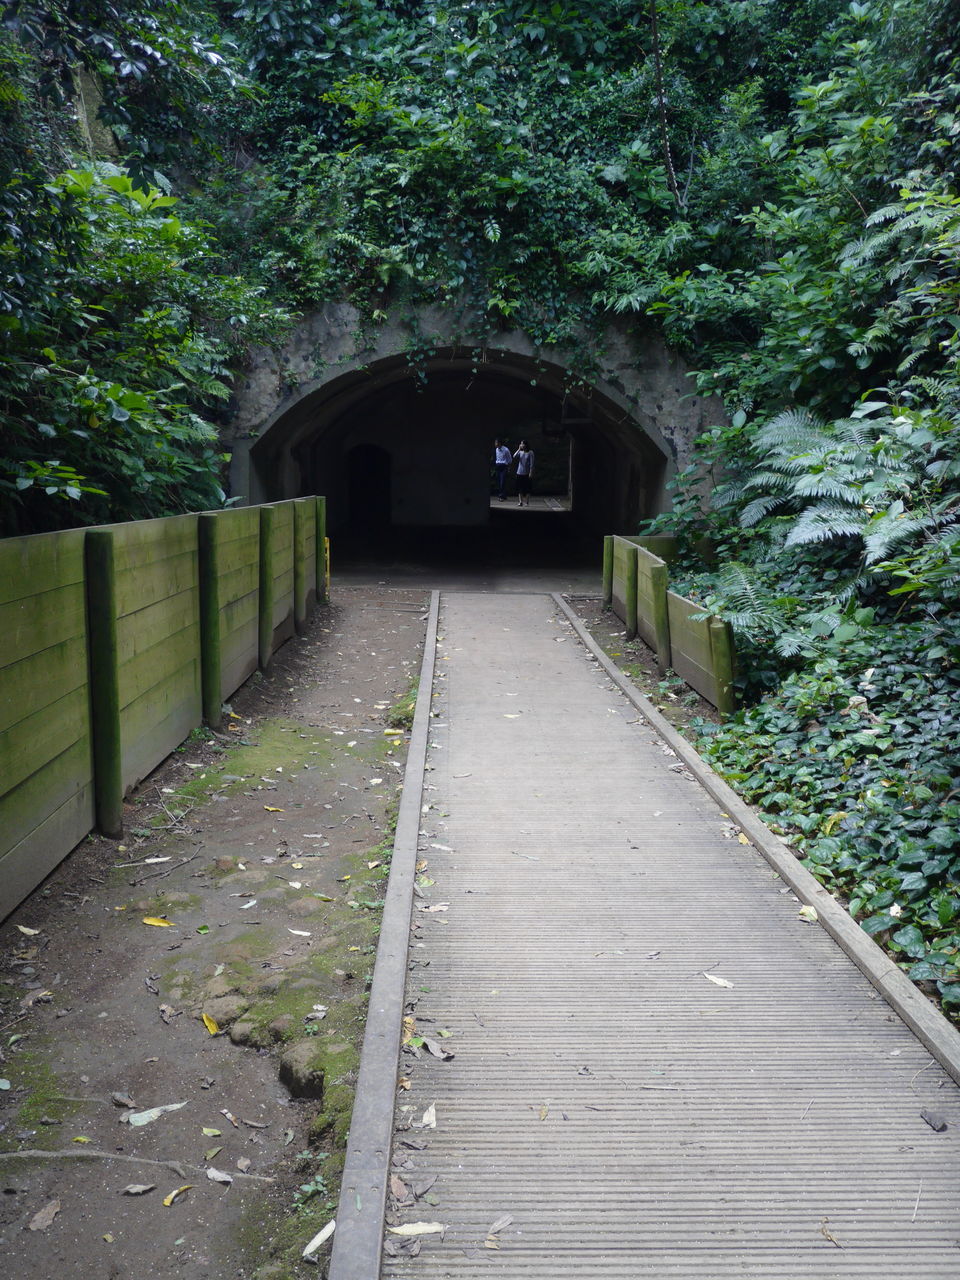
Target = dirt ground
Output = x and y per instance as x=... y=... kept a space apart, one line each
x=260 y=855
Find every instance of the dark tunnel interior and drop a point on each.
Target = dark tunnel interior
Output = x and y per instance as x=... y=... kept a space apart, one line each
x=405 y=460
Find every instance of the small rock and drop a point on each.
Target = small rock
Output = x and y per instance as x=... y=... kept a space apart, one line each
x=301 y=1070
x=226 y=1009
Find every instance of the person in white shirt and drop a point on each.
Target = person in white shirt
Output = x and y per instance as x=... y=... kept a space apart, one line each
x=501 y=461
x=524 y=457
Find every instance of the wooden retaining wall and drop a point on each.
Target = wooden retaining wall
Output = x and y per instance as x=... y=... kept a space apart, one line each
x=46 y=763
x=635 y=587
x=120 y=640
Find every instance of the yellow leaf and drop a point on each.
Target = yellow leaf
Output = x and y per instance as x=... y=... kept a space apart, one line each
x=271 y=808
x=544 y=1111
x=832 y=821
x=353 y=948
x=210 y=1024
x=175 y=1195
x=212 y=1133
x=160 y=924
x=109 y=1238
x=29 y=932
x=404 y=1082
x=409 y=1028
x=808 y=913
x=83 y=1139
x=743 y=839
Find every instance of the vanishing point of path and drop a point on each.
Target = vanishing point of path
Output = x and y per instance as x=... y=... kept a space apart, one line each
x=661 y=1070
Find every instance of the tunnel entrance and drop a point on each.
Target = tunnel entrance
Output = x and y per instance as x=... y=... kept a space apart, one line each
x=408 y=451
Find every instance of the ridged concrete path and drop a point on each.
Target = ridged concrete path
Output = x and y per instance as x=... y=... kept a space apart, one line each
x=634 y=1118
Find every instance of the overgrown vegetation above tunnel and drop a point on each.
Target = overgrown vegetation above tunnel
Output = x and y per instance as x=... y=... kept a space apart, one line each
x=772 y=184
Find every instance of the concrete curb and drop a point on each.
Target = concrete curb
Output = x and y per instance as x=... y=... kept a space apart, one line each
x=358 y=1242
x=927 y=1023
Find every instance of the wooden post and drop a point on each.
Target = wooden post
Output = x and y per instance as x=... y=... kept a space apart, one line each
x=101 y=590
x=322 y=571
x=661 y=618
x=722 y=652
x=300 y=566
x=608 y=571
x=267 y=525
x=211 y=655
x=630 y=594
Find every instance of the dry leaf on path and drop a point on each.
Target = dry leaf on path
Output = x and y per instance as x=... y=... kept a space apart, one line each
x=175 y=1195
x=158 y=922
x=217 y=1175
x=418 y=1228
x=138 y=1188
x=140 y=1118
x=31 y=933
x=42 y=1220
x=211 y=1024
x=429 y=1120
x=809 y=914
x=718 y=982
x=437 y=1050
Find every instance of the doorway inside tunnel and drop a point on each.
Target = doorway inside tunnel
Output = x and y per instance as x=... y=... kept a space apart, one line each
x=405 y=460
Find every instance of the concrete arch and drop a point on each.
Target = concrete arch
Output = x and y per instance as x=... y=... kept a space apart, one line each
x=303 y=413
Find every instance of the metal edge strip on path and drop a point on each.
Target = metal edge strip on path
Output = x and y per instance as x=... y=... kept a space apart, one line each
x=923 y=1018
x=358 y=1241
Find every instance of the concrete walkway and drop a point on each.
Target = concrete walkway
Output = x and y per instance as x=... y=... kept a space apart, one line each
x=661 y=1070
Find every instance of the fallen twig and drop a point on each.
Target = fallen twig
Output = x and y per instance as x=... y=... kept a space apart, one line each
x=174 y=1165
x=917 y=1205
x=158 y=875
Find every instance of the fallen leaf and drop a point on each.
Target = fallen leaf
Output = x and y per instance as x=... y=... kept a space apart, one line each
x=743 y=839
x=245 y=906
x=501 y=1224
x=138 y=1188
x=828 y=1234
x=231 y=1117
x=809 y=914
x=175 y=1195
x=437 y=1050
x=437 y=906
x=108 y=1238
x=211 y=1024
x=372 y=866
x=544 y=1111
x=295 y=884
x=418 y=1228
x=429 y=1120
x=404 y=1082
x=212 y=1153
x=158 y=922
x=271 y=808
x=934 y=1119
x=167 y=1012
x=203 y=928
x=718 y=982
x=212 y=1133
x=243 y=1163
x=300 y=933
x=255 y=1124
x=139 y=1118
x=398 y=1187
x=31 y=933
x=122 y=1100
x=82 y=1138
x=217 y=1175
x=42 y=1220
x=319 y=1238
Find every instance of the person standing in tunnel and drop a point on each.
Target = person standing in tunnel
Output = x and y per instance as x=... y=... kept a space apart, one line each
x=501 y=461
x=524 y=457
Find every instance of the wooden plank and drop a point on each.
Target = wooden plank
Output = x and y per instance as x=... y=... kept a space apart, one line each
x=240 y=612
x=40 y=621
x=30 y=861
x=38 y=739
x=163 y=663
x=140 y=542
x=238 y=669
x=239 y=581
x=139 y=588
x=161 y=733
x=140 y=631
x=39 y=561
x=690 y=646
x=28 y=686
x=29 y=803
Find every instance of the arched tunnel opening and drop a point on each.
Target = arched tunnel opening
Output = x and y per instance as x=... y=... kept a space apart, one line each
x=404 y=456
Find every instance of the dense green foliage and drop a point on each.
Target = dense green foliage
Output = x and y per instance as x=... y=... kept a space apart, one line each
x=772 y=184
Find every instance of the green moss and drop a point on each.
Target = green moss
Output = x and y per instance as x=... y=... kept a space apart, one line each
x=400 y=715
x=45 y=1101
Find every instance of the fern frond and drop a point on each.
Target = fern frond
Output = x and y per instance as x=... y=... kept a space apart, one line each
x=825 y=523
